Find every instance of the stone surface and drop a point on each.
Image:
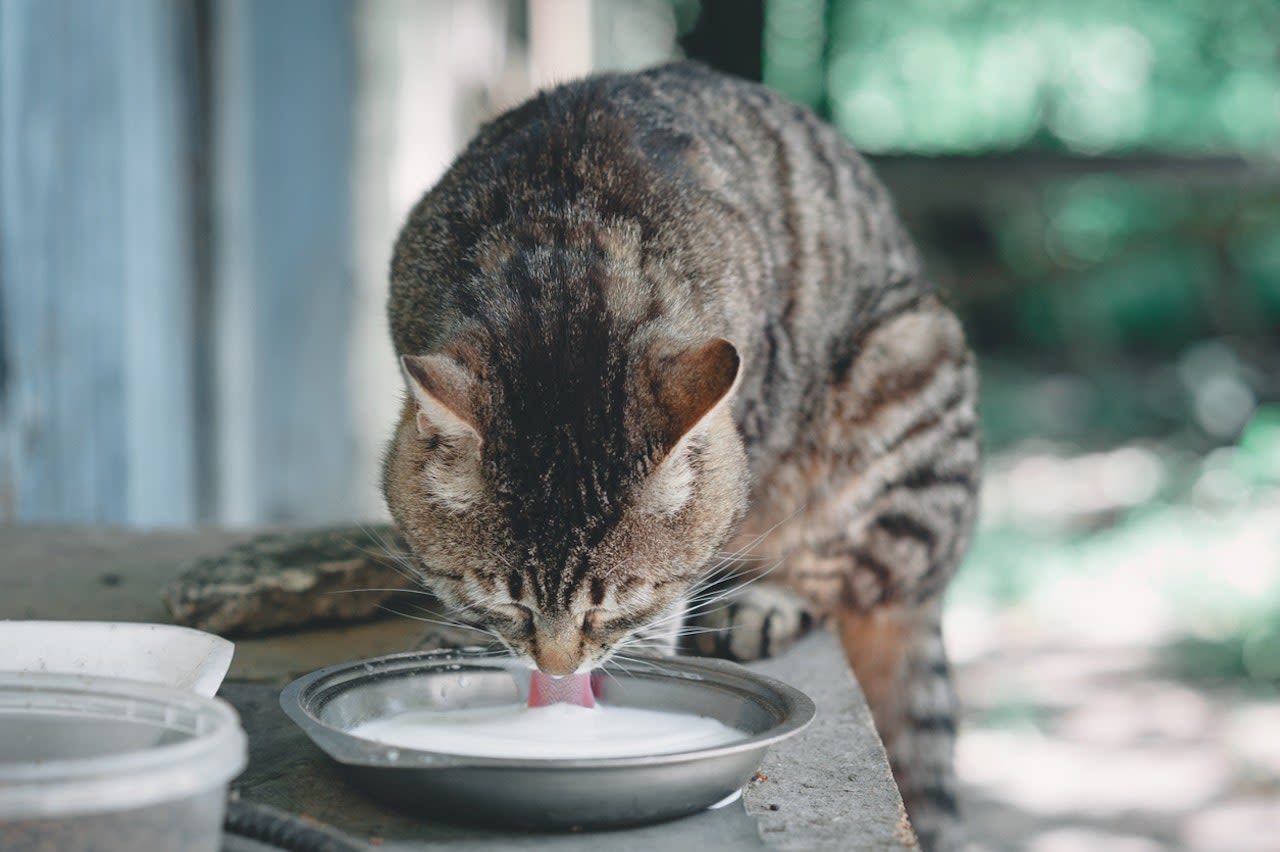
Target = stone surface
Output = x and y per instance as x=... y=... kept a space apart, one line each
x=92 y=573
x=281 y=657
x=291 y=579
x=831 y=786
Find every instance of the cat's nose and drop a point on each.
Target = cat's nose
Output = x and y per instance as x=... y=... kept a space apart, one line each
x=555 y=658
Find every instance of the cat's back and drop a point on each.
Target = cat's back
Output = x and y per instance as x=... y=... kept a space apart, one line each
x=721 y=177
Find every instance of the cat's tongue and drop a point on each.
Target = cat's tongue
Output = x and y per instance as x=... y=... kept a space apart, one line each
x=568 y=689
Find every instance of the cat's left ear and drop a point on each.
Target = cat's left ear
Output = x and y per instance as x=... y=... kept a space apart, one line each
x=445 y=391
x=694 y=383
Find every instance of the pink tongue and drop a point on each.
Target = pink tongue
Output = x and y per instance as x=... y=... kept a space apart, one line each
x=570 y=689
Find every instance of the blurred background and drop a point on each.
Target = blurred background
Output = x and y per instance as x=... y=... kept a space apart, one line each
x=197 y=205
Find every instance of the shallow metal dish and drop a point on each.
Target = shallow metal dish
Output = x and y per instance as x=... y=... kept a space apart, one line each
x=536 y=793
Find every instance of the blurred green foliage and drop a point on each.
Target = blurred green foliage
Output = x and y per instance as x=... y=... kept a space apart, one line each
x=1258 y=455
x=962 y=76
x=1121 y=263
x=1201 y=549
x=1088 y=266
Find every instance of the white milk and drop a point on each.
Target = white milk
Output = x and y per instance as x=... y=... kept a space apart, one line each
x=558 y=731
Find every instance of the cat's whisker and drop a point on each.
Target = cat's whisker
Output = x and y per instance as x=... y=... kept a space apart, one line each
x=648 y=665
x=704 y=607
x=656 y=648
x=743 y=554
x=371 y=589
x=756 y=576
x=648 y=655
x=709 y=575
x=436 y=621
x=604 y=667
x=498 y=556
x=699 y=606
x=388 y=551
x=693 y=630
x=448 y=617
x=643 y=658
x=401 y=565
x=395 y=562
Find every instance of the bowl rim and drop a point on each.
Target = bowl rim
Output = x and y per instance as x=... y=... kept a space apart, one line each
x=299 y=697
x=208 y=758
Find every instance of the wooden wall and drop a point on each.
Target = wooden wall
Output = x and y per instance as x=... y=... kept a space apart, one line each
x=96 y=261
x=175 y=260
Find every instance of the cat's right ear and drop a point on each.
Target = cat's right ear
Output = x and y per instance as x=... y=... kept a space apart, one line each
x=693 y=383
x=445 y=392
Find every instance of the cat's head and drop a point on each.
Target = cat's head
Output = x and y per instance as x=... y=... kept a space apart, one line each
x=565 y=499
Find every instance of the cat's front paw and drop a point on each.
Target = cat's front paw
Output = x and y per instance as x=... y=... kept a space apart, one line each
x=760 y=620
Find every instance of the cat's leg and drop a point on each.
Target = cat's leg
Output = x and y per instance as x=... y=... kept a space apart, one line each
x=760 y=619
x=898 y=655
x=886 y=531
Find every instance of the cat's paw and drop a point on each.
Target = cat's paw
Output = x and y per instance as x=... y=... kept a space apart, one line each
x=760 y=620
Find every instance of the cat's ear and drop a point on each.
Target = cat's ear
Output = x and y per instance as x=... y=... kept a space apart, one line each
x=445 y=392
x=693 y=383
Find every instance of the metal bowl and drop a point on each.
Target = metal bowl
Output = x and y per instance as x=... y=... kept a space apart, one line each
x=542 y=793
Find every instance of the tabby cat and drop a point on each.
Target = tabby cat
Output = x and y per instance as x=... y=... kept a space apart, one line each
x=646 y=319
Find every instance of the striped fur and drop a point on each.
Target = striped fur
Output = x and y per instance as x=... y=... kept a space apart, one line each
x=675 y=315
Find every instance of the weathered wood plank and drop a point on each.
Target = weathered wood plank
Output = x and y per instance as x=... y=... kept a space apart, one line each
x=283 y=259
x=94 y=404
x=157 y=40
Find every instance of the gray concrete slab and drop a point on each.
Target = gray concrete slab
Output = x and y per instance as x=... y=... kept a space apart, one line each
x=95 y=573
x=831 y=785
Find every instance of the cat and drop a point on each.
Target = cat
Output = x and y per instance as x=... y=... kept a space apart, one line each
x=645 y=319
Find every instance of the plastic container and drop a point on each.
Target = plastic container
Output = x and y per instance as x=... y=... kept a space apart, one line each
x=155 y=653
x=89 y=763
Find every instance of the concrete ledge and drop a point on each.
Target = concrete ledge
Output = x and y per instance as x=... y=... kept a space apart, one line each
x=831 y=785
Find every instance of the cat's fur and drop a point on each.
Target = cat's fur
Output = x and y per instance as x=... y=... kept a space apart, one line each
x=647 y=317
